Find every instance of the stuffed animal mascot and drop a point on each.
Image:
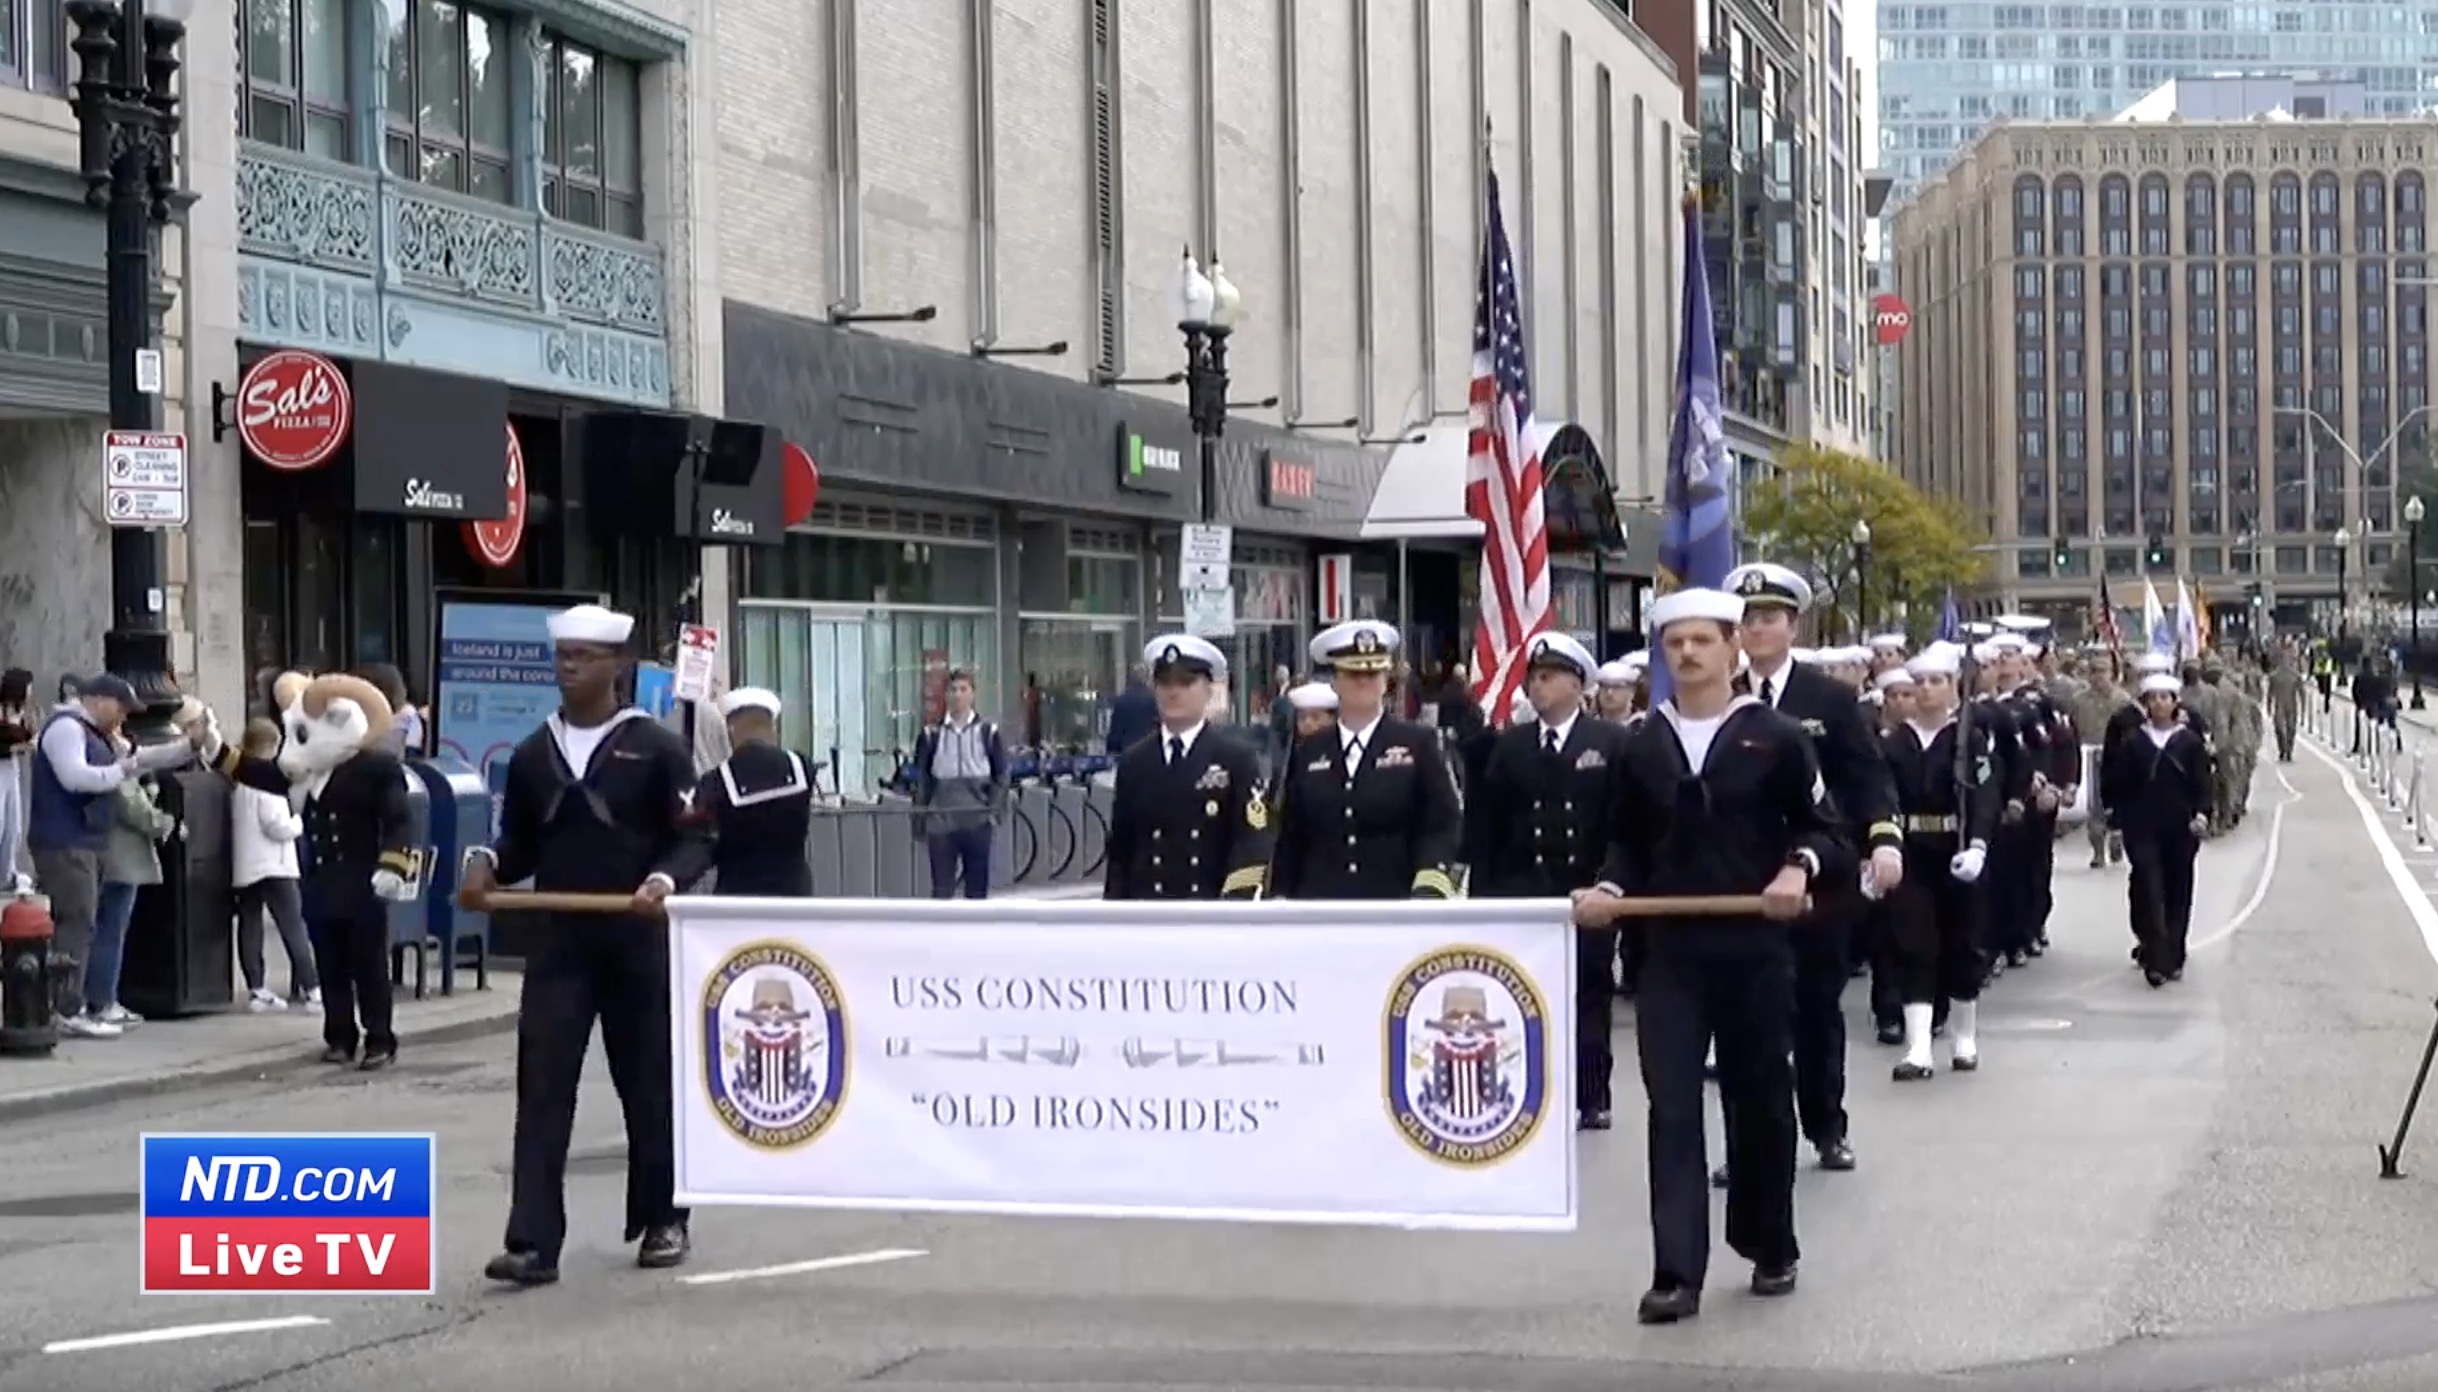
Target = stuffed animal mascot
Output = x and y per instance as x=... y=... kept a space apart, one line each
x=337 y=766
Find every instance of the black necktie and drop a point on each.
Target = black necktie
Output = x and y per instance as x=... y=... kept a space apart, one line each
x=1549 y=741
x=1176 y=749
x=1767 y=694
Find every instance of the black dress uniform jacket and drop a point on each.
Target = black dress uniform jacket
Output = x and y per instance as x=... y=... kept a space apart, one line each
x=604 y=829
x=1198 y=828
x=1387 y=828
x=2126 y=719
x=758 y=809
x=2152 y=789
x=1848 y=754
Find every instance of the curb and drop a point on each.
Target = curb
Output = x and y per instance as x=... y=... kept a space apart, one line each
x=261 y=1066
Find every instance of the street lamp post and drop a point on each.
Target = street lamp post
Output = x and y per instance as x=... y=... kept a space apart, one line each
x=1206 y=309
x=1862 y=576
x=2412 y=545
x=2344 y=555
x=127 y=123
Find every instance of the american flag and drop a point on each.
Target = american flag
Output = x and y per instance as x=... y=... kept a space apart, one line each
x=1503 y=481
x=2103 y=620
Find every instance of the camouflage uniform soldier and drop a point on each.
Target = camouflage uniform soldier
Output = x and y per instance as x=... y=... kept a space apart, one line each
x=2101 y=699
x=2210 y=704
x=2243 y=720
x=2285 y=690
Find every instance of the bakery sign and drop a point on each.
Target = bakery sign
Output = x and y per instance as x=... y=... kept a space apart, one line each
x=1288 y=483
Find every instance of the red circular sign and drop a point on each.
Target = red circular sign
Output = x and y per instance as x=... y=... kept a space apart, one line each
x=1891 y=320
x=494 y=542
x=803 y=484
x=294 y=409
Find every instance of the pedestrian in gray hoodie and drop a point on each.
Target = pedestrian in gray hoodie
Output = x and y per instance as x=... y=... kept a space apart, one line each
x=960 y=783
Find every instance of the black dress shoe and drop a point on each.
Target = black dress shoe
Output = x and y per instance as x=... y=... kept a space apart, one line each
x=2137 y=955
x=1909 y=1072
x=1892 y=1035
x=2018 y=957
x=374 y=1063
x=1668 y=1306
x=1719 y=1178
x=1837 y=1155
x=663 y=1247
x=2155 y=978
x=1969 y=1063
x=520 y=1269
x=336 y=1055
x=1774 y=1280
x=1597 y=1119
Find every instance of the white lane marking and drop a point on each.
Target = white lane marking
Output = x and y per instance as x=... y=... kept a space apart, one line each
x=764 y=1273
x=179 y=1332
x=2416 y=903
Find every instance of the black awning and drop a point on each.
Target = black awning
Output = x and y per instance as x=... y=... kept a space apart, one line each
x=1578 y=500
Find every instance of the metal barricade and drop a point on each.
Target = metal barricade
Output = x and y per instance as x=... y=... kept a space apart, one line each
x=1052 y=834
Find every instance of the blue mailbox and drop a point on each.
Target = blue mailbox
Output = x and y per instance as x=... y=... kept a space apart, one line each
x=460 y=819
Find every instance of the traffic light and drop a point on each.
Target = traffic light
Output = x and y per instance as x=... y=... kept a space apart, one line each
x=2253 y=593
x=2158 y=551
x=2065 y=554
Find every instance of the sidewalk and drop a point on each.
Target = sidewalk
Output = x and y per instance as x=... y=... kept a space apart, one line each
x=233 y=1045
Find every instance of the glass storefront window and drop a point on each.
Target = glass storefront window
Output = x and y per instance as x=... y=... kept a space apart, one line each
x=1273 y=620
x=843 y=568
x=1072 y=668
x=857 y=686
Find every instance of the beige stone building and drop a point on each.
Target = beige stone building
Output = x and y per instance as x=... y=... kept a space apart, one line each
x=2204 y=340
x=948 y=236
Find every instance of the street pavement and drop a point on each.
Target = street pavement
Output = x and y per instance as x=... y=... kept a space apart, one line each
x=2141 y=1191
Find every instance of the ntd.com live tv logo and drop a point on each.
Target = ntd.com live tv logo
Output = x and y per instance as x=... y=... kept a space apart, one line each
x=233 y=1214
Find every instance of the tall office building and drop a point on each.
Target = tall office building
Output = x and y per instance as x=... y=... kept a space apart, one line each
x=1946 y=70
x=2207 y=337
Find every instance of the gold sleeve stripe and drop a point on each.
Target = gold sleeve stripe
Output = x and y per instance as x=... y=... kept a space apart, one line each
x=1251 y=877
x=399 y=863
x=226 y=764
x=1890 y=829
x=1436 y=883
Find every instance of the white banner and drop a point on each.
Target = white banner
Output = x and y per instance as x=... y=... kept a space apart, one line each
x=1394 y=1064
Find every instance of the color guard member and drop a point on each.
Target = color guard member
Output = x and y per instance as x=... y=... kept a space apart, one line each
x=1947 y=801
x=1190 y=819
x=1368 y=809
x=2159 y=791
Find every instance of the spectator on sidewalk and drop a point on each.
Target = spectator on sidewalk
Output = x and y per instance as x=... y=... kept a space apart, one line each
x=960 y=783
x=130 y=860
x=18 y=719
x=263 y=831
x=1134 y=713
x=77 y=774
x=406 y=731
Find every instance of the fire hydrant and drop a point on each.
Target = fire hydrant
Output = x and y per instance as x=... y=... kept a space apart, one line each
x=26 y=1028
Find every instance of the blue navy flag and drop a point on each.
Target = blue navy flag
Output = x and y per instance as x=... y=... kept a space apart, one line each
x=1698 y=547
x=1951 y=623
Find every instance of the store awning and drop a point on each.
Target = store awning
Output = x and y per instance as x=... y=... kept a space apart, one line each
x=1421 y=494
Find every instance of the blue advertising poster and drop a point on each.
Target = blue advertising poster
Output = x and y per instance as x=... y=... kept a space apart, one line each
x=496 y=684
x=655 y=689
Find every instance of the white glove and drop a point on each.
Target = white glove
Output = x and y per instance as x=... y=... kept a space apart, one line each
x=1870 y=884
x=212 y=744
x=1886 y=867
x=390 y=885
x=1966 y=866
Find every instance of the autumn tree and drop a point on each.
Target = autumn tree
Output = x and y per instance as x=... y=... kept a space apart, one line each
x=1804 y=519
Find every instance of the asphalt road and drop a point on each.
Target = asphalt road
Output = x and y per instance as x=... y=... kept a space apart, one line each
x=2140 y=1192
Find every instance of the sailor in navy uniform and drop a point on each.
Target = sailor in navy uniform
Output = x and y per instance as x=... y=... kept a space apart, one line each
x=1537 y=826
x=1316 y=708
x=1368 y=808
x=1721 y=797
x=2160 y=788
x=2057 y=774
x=1947 y=800
x=1830 y=713
x=1190 y=819
x=758 y=805
x=598 y=801
x=1614 y=686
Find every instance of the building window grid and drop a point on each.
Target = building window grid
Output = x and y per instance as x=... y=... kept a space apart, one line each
x=34 y=44
x=592 y=139
x=295 y=74
x=448 y=109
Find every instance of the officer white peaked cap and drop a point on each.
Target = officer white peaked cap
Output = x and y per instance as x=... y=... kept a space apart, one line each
x=1937 y=660
x=590 y=623
x=2160 y=681
x=1978 y=629
x=1809 y=657
x=1987 y=652
x=2022 y=623
x=1558 y=650
x=1184 y=650
x=1360 y=645
x=1716 y=605
x=1313 y=696
x=1618 y=673
x=1765 y=583
x=1894 y=676
x=1889 y=642
x=2154 y=662
x=747 y=698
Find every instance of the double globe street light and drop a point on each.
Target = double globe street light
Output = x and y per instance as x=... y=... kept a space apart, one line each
x=1207 y=307
x=126 y=106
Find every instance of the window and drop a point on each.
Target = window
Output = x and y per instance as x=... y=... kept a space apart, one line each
x=294 y=75
x=448 y=101
x=592 y=134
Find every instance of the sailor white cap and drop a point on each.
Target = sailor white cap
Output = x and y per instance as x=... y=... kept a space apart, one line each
x=1889 y=642
x=1198 y=657
x=1313 y=696
x=1638 y=662
x=2009 y=642
x=2154 y=662
x=1937 y=660
x=590 y=623
x=1894 y=676
x=2160 y=681
x=1977 y=629
x=1809 y=657
x=1618 y=673
x=1558 y=650
x=1360 y=645
x=2023 y=623
x=1716 y=605
x=753 y=698
x=1850 y=657
x=1766 y=583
